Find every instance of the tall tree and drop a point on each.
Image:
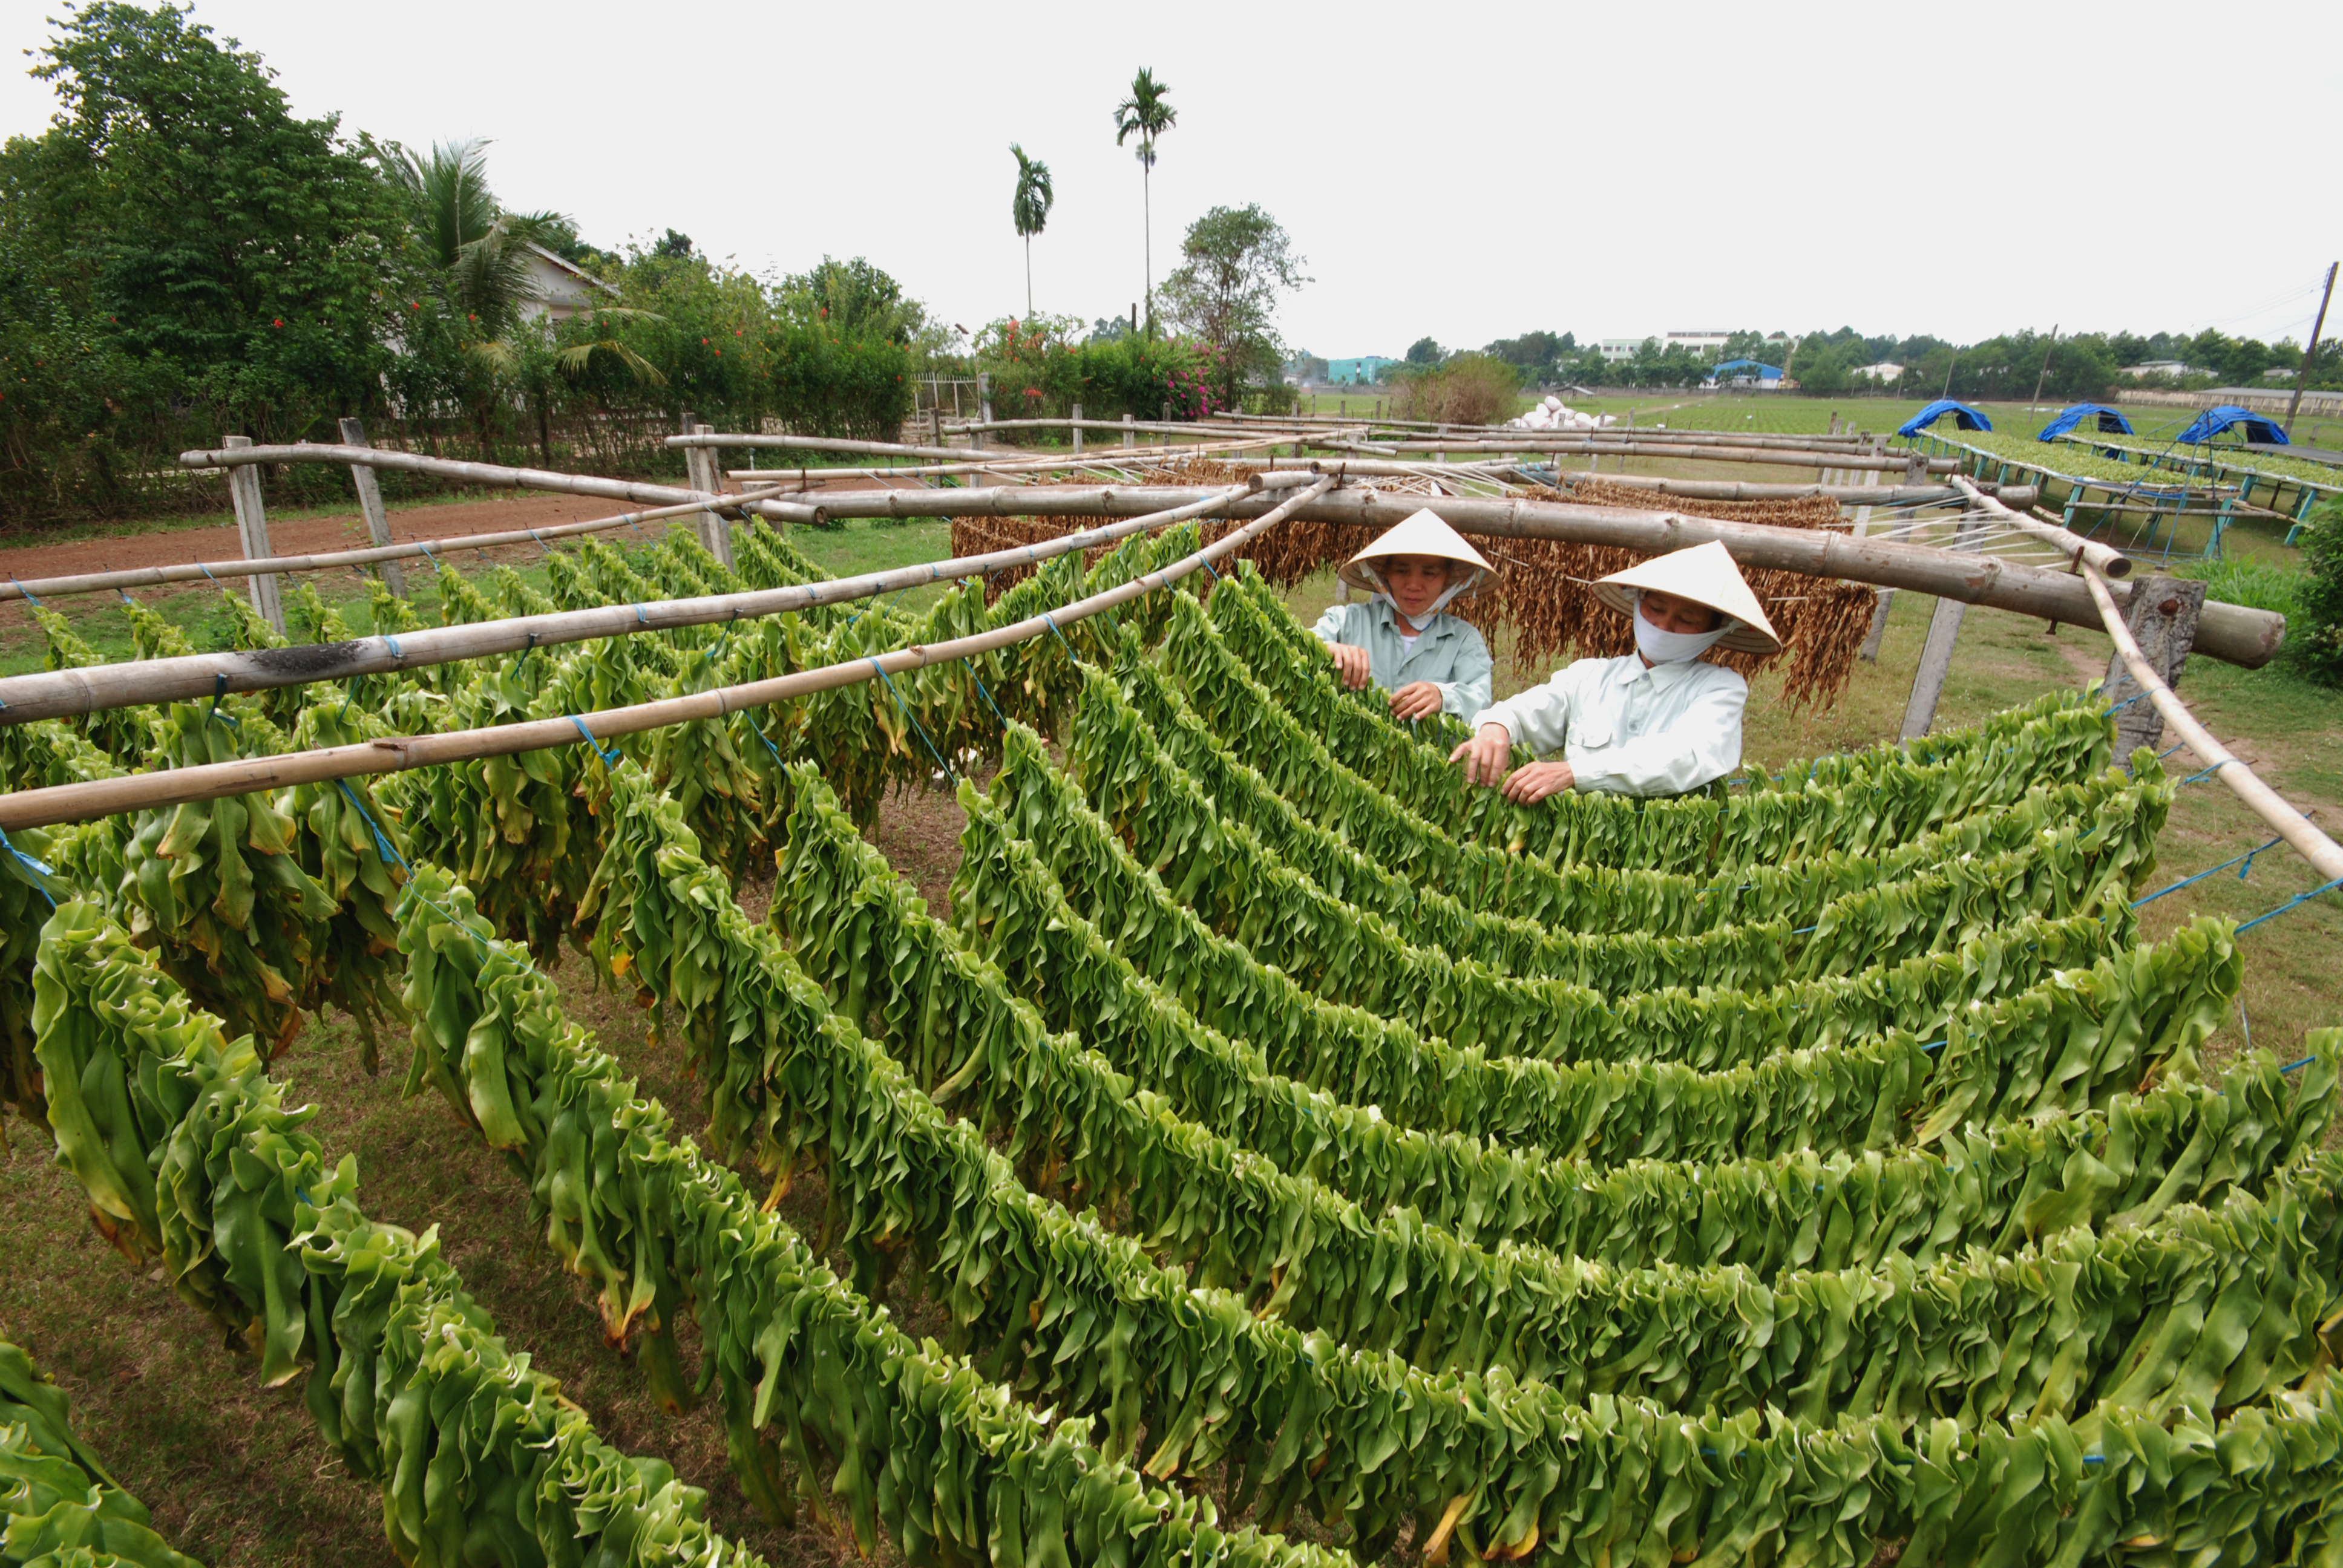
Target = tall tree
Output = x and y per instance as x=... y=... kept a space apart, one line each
x=1236 y=262
x=1146 y=114
x=1030 y=209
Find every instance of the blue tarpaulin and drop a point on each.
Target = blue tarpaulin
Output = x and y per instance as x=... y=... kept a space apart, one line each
x=1738 y=367
x=2111 y=421
x=1969 y=419
x=2213 y=421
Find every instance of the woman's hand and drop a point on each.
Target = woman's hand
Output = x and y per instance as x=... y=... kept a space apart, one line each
x=1485 y=755
x=1535 y=781
x=1416 y=699
x=1350 y=664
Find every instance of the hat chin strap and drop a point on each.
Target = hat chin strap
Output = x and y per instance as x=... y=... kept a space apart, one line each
x=1367 y=569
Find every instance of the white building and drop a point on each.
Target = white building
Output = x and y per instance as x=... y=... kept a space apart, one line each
x=1882 y=371
x=1615 y=349
x=1701 y=343
x=562 y=289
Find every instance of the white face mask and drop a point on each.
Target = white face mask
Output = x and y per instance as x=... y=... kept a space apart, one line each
x=1367 y=568
x=1673 y=647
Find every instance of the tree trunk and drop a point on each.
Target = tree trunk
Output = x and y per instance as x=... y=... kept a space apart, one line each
x=544 y=436
x=1146 y=238
x=1029 y=282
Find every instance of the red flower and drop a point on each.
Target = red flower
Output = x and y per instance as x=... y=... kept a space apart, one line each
x=825 y=313
x=278 y=322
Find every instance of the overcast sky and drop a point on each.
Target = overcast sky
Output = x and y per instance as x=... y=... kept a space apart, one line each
x=1468 y=172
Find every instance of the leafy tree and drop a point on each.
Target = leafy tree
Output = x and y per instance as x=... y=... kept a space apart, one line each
x=1425 y=351
x=1238 y=260
x=1030 y=209
x=1146 y=114
x=180 y=257
x=2316 y=647
x=673 y=247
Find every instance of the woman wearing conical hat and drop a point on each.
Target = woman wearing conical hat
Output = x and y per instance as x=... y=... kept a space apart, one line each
x=1659 y=722
x=1428 y=661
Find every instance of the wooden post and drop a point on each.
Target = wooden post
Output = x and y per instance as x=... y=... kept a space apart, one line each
x=378 y=521
x=1869 y=653
x=1078 y=429
x=1442 y=454
x=252 y=527
x=1936 y=653
x=984 y=396
x=715 y=532
x=2162 y=617
x=936 y=426
x=2311 y=354
x=1130 y=437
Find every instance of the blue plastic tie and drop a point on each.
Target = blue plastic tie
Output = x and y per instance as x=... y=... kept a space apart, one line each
x=1068 y=647
x=758 y=730
x=424 y=546
x=2298 y=898
x=641 y=618
x=2209 y=772
x=2247 y=859
x=950 y=771
x=986 y=695
x=2127 y=702
x=38 y=866
x=1935 y=1045
x=219 y=689
x=1208 y=568
x=541 y=543
x=208 y=572
x=382 y=844
x=395 y=652
x=610 y=758
x=2291 y=1066
x=25 y=591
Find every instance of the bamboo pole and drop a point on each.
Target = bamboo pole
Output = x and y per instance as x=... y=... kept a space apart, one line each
x=64 y=693
x=2105 y=557
x=1740 y=490
x=2233 y=633
x=492 y=475
x=154 y=577
x=2326 y=856
x=810 y=480
x=140 y=791
x=1607 y=447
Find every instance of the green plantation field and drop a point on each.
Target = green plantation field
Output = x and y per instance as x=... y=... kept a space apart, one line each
x=1203 y=1130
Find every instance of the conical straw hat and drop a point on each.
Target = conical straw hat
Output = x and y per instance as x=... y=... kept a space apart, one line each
x=1424 y=534
x=1704 y=574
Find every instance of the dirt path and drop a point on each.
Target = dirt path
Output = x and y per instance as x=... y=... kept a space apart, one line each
x=301 y=536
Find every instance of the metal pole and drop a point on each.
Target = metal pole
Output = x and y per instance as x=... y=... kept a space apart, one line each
x=2310 y=355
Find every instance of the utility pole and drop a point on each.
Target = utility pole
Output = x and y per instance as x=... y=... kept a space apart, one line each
x=2046 y=366
x=2310 y=355
x=1955 y=359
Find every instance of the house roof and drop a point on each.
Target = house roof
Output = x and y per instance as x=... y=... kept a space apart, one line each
x=571 y=267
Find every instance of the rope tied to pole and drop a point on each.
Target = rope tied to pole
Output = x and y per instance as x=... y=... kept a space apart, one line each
x=2247 y=859
x=39 y=867
x=612 y=758
x=982 y=691
x=950 y=771
x=219 y=689
x=2295 y=902
x=2209 y=772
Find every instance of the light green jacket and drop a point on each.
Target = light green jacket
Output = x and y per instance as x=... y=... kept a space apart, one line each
x=1449 y=654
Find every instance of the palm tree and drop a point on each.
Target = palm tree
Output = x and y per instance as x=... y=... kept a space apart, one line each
x=1031 y=208
x=1148 y=113
x=482 y=253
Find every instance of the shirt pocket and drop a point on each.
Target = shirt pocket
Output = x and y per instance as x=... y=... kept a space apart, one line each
x=1592 y=733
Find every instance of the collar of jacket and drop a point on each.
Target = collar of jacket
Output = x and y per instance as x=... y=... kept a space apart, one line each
x=1440 y=627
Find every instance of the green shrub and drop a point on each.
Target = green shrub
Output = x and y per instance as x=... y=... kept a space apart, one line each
x=1469 y=390
x=2258 y=584
x=2315 y=639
